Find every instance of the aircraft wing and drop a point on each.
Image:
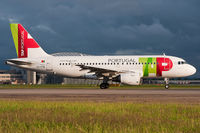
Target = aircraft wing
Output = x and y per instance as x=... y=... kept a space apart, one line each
x=99 y=71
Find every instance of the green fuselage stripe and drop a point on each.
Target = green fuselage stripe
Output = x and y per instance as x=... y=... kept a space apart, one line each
x=152 y=66
x=149 y=65
x=14 y=30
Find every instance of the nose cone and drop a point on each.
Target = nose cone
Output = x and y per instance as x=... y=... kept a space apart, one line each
x=191 y=70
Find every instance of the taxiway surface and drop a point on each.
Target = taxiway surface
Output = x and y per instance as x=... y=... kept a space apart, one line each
x=109 y=95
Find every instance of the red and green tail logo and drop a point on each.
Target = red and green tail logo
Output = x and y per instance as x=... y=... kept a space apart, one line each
x=22 y=40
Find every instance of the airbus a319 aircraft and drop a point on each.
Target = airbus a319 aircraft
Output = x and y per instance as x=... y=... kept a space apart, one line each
x=124 y=69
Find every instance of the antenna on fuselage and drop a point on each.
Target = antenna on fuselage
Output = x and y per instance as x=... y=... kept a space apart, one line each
x=164 y=54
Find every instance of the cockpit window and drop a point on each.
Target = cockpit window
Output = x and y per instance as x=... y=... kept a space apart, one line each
x=182 y=62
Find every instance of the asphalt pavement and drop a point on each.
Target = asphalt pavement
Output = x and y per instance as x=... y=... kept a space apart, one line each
x=109 y=95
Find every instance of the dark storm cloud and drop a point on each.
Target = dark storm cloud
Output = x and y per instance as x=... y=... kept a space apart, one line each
x=106 y=26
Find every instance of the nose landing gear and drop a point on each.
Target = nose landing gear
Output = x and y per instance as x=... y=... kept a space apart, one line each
x=166 y=83
x=167 y=86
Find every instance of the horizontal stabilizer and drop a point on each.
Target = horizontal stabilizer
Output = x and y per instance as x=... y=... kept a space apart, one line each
x=17 y=62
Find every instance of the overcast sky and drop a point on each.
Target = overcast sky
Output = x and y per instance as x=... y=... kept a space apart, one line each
x=106 y=27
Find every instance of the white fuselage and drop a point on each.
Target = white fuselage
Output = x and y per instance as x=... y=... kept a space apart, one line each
x=147 y=65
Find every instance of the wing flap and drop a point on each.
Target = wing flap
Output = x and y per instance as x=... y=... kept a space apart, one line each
x=99 y=71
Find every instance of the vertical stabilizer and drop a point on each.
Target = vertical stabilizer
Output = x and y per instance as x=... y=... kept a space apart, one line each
x=26 y=46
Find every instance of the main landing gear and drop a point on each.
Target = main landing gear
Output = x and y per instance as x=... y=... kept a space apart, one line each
x=166 y=83
x=105 y=84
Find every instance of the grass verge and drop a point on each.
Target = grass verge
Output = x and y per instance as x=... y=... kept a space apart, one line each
x=40 y=116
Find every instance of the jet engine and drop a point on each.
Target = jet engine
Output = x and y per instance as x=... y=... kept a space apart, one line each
x=129 y=78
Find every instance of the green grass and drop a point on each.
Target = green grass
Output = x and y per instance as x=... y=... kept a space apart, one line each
x=42 y=116
x=76 y=86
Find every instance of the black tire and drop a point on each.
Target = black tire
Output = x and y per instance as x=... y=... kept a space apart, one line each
x=104 y=86
x=107 y=85
x=167 y=86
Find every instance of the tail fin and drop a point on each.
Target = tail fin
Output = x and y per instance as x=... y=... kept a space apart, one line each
x=26 y=46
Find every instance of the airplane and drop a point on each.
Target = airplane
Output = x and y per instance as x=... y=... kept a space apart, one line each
x=128 y=69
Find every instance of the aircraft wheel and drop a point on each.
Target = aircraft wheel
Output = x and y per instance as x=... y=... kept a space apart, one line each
x=167 y=86
x=104 y=85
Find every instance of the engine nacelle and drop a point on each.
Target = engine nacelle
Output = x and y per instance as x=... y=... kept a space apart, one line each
x=130 y=78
